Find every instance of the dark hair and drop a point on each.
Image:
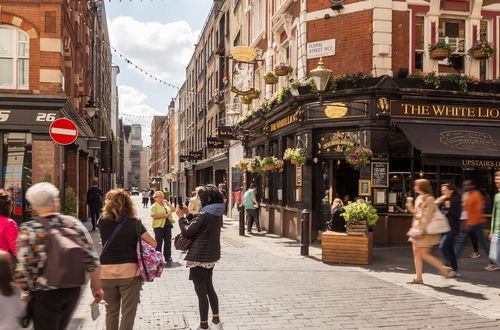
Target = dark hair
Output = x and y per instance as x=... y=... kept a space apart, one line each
x=469 y=182
x=455 y=193
x=253 y=185
x=5 y=274
x=210 y=194
x=6 y=203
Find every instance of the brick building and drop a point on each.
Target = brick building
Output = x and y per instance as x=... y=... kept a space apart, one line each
x=53 y=62
x=158 y=151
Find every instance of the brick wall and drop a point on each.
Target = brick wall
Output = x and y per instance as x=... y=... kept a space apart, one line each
x=400 y=40
x=45 y=161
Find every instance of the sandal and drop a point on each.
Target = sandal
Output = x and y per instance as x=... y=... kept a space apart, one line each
x=415 y=281
x=446 y=272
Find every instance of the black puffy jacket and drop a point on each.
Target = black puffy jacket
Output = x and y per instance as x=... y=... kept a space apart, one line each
x=205 y=229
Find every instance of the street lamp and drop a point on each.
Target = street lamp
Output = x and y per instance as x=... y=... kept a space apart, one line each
x=91 y=108
x=232 y=116
x=321 y=77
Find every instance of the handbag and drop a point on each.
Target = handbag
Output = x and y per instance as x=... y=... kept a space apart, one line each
x=151 y=262
x=182 y=243
x=495 y=249
x=438 y=224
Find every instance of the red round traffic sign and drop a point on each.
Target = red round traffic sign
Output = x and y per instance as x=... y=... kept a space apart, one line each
x=63 y=131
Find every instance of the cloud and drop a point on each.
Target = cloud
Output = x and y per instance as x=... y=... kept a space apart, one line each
x=164 y=50
x=134 y=109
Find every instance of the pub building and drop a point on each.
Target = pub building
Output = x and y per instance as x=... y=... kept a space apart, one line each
x=414 y=132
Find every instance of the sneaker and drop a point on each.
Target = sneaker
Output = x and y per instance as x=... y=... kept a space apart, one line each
x=217 y=326
x=475 y=255
x=453 y=274
x=491 y=268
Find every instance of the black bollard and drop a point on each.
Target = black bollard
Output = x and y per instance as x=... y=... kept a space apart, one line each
x=242 y=220
x=304 y=234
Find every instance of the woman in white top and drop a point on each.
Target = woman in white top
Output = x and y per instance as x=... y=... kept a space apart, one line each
x=11 y=306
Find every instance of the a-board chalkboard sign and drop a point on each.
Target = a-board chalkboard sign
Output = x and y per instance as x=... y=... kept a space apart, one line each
x=380 y=174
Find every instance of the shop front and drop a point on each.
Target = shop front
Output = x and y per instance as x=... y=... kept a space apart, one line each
x=412 y=133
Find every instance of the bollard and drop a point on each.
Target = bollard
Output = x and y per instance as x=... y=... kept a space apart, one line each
x=304 y=234
x=242 y=220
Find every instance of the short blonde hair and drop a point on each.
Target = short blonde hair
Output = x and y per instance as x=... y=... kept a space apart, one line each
x=118 y=204
x=158 y=193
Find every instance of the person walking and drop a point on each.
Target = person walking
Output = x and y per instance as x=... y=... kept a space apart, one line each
x=423 y=211
x=450 y=204
x=494 y=235
x=8 y=227
x=472 y=214
x=94 y=200
x=120 y=229
x=145 y=198
x=337 y=222
x=251 y=207
x=224 y=195
x=151 y=197
x=55 y=286
x=163 y=221
x=194 y=204
x=205 y=229
x=11 y=306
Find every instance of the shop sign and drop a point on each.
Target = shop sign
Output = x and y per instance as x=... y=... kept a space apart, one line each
x=288 y=120
x=402 y=109
x=480 y=163
x=195 y=155
x=321 y=48
x=184 y=158
x=336 y=110
x=338 y=141
x=27 y=117
x=226 y=133
x=380 y=174
x=214 y=143
x=243 y=54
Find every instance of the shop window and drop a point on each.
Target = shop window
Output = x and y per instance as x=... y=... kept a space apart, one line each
x=14 y=58
x=419 y=43
x=452 y=31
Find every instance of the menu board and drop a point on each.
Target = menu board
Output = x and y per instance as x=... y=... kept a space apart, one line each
x=380 y=174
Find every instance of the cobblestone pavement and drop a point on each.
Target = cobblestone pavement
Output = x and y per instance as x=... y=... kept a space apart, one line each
x=262 y=283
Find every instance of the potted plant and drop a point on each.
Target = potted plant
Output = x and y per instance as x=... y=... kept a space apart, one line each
x=245 y=99
x=297 y=156
x=440 y=50
x=255 y=165
x=481 y=50
x=255 y=94
x=272 y=164
x=270 y=78
x=303 y=87
x=358 y=217
x=358 y=157
x=282 y=69
x=242 y=164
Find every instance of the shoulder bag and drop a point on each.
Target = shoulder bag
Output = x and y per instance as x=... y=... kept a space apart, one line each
x=438 y=224
x=151 y=262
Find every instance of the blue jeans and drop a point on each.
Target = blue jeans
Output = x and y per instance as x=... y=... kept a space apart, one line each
x=462 y=239
x=447 y=248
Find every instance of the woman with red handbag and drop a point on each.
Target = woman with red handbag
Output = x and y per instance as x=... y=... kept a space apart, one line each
x=423 y=210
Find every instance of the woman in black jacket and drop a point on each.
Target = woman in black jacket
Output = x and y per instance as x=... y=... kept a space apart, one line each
x=450 y=204
x=204 y=252
x=337 y=222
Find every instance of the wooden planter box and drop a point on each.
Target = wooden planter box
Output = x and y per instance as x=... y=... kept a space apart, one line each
x=345 y=249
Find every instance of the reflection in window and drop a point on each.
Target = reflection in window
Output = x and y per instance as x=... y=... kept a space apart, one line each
x=14 y=58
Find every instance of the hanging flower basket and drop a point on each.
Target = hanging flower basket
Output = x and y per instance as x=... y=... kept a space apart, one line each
x=242 y=164
x=254 y=95
x=480 y=54
x=297 y=156
x=282 y=69
x=270 y=78
x=358 y=157
x=439 y=54
x=272 y=164
x=481 y=50
x=245 y=100
x=255 y=165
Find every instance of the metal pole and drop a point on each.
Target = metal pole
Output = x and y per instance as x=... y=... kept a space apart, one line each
x=304 y=234
x=241 y=208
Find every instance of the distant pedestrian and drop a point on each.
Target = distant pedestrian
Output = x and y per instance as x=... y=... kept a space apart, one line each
x=151 y=196
x=11 y=306
x=161 y=212
x=8 y=227
x=224 y=195
x=145 y=198
x=423 y=211
x=346 y=199
x=494 y=236
x=119 y=229
x=94 y=200
x=473 y=216
x=450 y=204
x=205 y=229
x=194 y=204
x=251 y=207
x=50 y=267
x=337 y=222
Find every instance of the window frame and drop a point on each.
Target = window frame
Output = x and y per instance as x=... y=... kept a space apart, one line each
x=16 y=58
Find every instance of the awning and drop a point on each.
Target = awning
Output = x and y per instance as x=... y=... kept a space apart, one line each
x=456 y=140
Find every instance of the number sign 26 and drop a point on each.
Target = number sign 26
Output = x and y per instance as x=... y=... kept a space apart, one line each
x=43 y=116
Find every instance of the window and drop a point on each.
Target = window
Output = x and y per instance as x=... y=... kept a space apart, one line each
x=14 y=58
x=452 y=31
x=419 y=43
x=257 y=18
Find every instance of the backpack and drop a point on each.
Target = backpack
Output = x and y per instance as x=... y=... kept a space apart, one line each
x=151 y=262
x=95 y=196
x=65 y=265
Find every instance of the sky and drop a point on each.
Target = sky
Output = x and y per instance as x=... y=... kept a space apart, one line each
x=159 y=36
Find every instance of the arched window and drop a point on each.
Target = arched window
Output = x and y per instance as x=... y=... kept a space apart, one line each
x=14 y=58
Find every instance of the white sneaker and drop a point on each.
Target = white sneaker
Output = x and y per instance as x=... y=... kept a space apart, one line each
x=453 y=273
x=491 y=268
x=217 y=326
x=475 y=255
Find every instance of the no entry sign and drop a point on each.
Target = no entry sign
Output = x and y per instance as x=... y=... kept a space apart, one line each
x=63 y=131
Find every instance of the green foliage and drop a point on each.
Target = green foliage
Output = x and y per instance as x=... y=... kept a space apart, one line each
x=430 y=78
x=47 y=177
x=482 y=46
x=440 y=44
x=70 y=201
x=460 y=81
x=282 y=95
x=355 y=211
x=297 y=156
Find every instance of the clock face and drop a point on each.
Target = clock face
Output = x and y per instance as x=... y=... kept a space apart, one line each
x=337 y=1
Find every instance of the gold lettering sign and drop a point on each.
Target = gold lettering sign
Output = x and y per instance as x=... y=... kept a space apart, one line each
x=243 y=53
x=338 y=141
x=402 y=109
x=480 y=163
x=281 y=123
x=336 y=110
